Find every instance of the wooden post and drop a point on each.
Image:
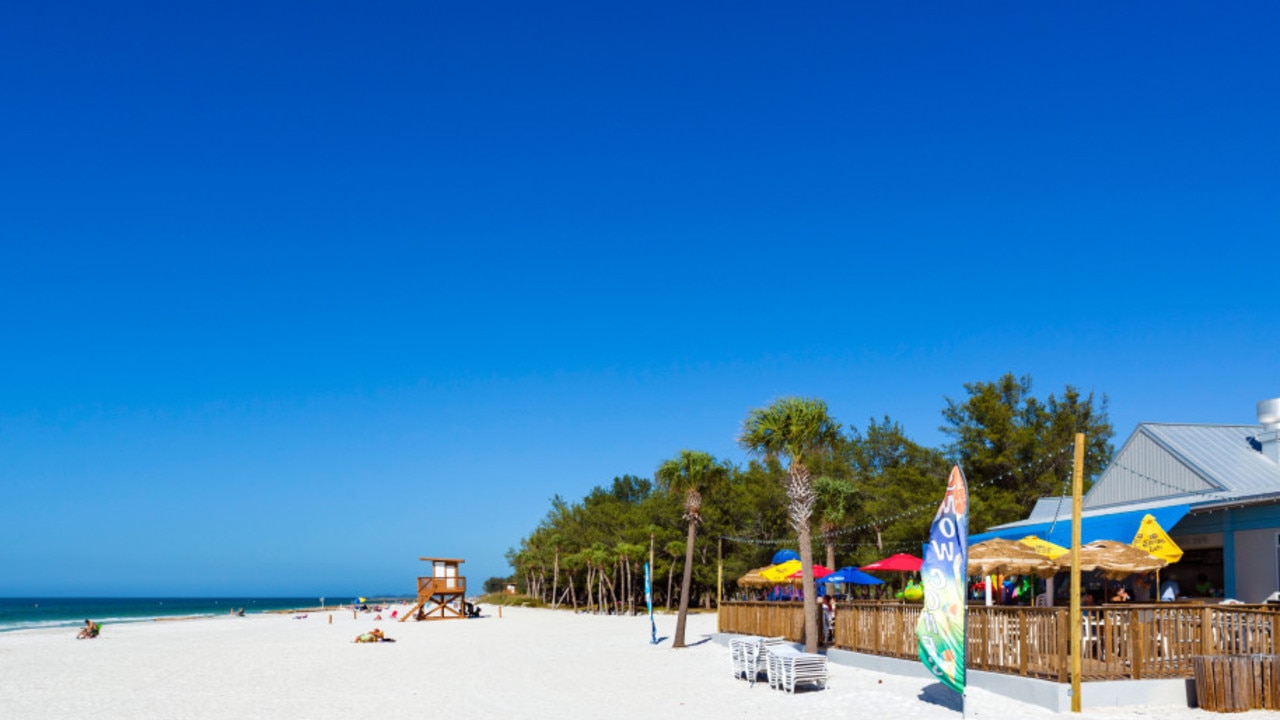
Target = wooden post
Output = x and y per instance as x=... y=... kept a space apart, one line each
x=499 y=612
x=1077 y=489
x=1137 y=638
x=719 y=573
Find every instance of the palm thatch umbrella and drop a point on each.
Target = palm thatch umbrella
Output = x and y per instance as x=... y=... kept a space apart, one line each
x=1006 y=557
x=1114 y=560
x=755 y=579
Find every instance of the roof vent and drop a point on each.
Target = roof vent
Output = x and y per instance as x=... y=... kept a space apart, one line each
x=1269 y=418
x=1269 y=414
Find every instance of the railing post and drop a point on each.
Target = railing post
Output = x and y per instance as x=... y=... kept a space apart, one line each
x=1207 y=645
x=1137 y=643
x=1022 y=643
x=875 y=631
x=1064 y=645
x=1275 y=628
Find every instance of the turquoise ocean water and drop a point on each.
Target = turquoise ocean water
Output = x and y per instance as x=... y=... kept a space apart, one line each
x=29 y=613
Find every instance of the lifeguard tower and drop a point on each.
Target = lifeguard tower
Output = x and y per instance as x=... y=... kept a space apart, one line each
x=442 y=595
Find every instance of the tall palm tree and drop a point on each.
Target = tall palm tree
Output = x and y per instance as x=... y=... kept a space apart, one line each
x=692 y=473
x=799 y=430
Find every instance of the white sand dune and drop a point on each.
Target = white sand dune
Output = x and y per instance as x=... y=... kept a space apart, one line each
x=527 y=664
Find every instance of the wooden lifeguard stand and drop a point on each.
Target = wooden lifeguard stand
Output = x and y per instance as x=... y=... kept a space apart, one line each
x=442 y=595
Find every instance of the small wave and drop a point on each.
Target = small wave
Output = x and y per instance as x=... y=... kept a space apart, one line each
x=55 y=624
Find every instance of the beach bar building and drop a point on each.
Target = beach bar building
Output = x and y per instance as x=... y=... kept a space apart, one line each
x=442 y=594
x=1214 y=488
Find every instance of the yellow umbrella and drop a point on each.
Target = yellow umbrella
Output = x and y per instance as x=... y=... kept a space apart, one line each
x=1044 y=547
x=1153 y=539
x=780 y=573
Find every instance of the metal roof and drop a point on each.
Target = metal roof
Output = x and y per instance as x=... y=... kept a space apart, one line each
x=1203 y=465
x=1163 y=465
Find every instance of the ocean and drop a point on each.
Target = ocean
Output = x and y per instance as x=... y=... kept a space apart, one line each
x=29 y=613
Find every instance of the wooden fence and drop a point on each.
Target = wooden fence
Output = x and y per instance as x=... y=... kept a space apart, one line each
x=1121 y=642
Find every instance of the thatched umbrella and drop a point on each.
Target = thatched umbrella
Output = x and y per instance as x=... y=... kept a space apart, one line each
x=1006 y=557
x=755 y=579
x=1114 y=560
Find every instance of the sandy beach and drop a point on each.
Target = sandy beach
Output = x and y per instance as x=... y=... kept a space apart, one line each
x=526 y=664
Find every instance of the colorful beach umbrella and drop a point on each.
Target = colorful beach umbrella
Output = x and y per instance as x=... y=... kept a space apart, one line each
x=1152 y=538
x=819 y=572
x=780 y=573
x=1044 y=547
x=902 y=562
x=852 y=576
x=784 y=555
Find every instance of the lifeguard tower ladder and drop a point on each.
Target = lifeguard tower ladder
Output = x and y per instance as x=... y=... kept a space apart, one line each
x=441 y=596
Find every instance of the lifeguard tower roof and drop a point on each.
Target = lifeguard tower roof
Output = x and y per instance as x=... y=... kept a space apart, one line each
x=444 y=560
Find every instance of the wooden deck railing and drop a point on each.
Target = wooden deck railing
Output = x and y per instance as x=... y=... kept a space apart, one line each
x=766 y=619
x=1130 y=642
x=428 y=586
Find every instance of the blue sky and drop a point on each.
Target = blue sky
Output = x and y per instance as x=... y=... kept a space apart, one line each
x=292 y=294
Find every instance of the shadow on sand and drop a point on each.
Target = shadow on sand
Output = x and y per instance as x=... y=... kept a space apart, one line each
x=942 y=696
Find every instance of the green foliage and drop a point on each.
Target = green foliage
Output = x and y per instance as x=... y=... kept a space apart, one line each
x=1004 y=436
x=894 y=474
x=495 y=584
x=510 y=600
x=874 y=494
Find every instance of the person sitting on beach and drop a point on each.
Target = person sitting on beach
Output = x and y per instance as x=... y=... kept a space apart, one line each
x=373 y=636
x=89 y=631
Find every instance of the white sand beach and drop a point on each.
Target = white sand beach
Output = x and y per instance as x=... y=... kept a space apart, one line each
x=527 y=664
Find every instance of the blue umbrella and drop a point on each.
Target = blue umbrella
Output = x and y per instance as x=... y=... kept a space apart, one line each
x=851 y=576
x=784 y=555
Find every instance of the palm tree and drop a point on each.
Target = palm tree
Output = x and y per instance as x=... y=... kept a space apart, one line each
x=800 y=430
x=835 y=496
x=692 y=473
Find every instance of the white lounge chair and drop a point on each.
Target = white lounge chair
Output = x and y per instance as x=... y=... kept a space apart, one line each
x=747 y=653
x=788 y=667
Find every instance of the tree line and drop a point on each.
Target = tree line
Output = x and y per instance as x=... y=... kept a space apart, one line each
x=851 y=496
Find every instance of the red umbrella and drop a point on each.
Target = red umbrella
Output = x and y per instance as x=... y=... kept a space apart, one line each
x=819 y=572
x=901 y=562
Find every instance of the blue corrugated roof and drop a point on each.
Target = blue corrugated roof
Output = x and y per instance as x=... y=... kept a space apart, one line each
x=1118 y=526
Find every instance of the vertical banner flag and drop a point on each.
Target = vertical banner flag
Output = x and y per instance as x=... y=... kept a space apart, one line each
x=943 y=624
x=648 y=598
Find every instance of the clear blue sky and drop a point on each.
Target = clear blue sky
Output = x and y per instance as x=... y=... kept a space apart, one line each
x=294 y=293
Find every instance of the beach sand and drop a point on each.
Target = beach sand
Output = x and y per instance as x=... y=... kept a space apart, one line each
x=527 y=664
